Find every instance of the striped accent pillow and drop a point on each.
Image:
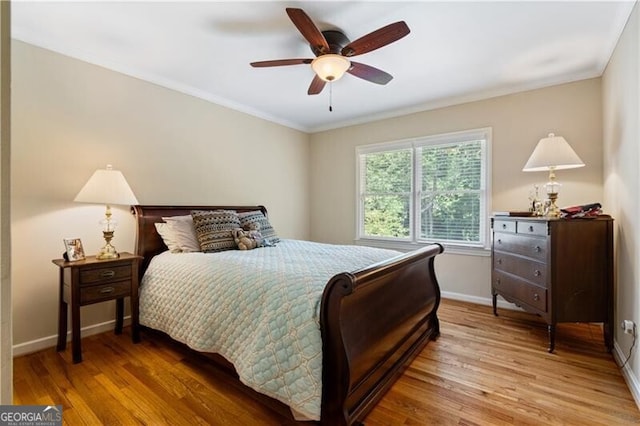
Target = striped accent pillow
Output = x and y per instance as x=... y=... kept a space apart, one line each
x=214 y=229
x=248 y=219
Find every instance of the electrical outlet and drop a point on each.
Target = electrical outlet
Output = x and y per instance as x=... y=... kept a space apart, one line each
x=629 y=327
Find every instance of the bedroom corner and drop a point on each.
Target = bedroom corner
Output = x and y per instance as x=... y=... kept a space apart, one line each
x=621 y=136
x=71 y=118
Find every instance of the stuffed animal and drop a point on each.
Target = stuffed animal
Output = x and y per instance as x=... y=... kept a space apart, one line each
x=247 y=240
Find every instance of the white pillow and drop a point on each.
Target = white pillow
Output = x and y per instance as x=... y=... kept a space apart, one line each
x=167 y=236
x=184 y=233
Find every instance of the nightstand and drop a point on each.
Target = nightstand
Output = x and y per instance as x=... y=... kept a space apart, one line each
x=88 y=281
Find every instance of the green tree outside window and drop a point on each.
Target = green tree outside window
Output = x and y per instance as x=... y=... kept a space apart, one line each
x=428 y=191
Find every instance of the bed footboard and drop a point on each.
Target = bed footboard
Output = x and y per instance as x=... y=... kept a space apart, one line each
x=374 y=322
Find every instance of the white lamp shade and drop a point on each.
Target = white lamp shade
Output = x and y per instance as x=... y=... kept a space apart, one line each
x=552 y=152
x=107 y=186
x=330 y=67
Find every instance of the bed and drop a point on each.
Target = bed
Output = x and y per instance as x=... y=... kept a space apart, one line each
x=373 y=321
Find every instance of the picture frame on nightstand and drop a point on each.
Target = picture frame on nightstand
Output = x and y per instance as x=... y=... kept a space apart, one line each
x=74 y=249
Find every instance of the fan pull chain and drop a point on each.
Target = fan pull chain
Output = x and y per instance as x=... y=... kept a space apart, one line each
x=330 y=96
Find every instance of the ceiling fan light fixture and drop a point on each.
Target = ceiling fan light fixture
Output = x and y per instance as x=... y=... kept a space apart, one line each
x=330 y=67
x=333 y=50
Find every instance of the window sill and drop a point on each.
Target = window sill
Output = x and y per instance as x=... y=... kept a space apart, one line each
x=406 y=247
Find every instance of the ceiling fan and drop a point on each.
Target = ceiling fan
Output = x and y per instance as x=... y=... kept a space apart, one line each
x=333 y=50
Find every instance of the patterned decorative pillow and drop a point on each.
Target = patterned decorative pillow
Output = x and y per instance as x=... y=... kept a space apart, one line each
x=215 y=229
x=248 y=221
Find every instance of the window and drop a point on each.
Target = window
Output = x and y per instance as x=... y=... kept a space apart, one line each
x=430 y=189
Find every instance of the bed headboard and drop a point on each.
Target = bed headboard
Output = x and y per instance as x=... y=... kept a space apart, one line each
x=148 y=241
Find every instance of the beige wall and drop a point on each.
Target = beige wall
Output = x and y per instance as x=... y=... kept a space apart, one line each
x=70 y=118
x=6 y=365
x=518 y=122
x=621 y=104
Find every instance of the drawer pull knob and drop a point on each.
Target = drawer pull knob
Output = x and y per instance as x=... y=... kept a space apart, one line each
x=499 y=241
x=537 y=273
x=106 y=290
x=498 y=281
x=530 y=228
x=108 y=274
x=536 y=296
x=504 y=226
x=499 y=261
x=538 y=249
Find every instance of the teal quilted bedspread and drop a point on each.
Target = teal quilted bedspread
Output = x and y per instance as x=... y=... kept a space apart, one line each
x=259 y=309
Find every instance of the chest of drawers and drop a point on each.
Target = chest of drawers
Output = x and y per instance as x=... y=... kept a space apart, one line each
x=560 y=269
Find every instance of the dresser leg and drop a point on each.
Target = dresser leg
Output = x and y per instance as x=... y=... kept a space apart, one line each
x=552 y=337
x=76 y=346
x=62 y=326
x=62 y=316
x=135 y=314
x=607 y=328
x=119 y=315
x=495 y=301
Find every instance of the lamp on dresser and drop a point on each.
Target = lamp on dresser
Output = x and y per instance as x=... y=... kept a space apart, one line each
x=550 y=154
x=107 y=186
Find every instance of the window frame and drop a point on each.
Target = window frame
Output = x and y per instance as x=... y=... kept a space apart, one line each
x=414 y=240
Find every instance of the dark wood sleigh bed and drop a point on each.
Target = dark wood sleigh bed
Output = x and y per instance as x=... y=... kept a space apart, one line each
x=373 y=321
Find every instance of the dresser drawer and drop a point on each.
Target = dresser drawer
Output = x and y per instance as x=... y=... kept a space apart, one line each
x=514 y=288
x=98 y=293
x=533 y=247
x=527 y=269
x=532 y=228
x=104 y=274
x=500 y=225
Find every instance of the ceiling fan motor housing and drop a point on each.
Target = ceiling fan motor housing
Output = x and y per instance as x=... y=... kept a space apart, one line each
x=336 y=40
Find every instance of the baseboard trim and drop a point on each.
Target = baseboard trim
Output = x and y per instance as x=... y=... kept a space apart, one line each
x=503 y=304
x=627 y=373
x=52 y=341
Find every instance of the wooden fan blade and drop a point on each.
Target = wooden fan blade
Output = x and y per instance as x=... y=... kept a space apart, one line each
x=376 y=39
x=280 y=62
x=317 y=84
x=308 y=29
x=369 y=73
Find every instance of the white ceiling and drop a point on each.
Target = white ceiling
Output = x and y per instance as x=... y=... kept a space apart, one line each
x=456 y=51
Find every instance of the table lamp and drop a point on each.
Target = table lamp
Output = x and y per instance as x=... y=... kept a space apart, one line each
x=107 y=186
x=552 y=153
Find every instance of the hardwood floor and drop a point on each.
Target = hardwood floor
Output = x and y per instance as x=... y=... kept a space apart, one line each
x=482 y=370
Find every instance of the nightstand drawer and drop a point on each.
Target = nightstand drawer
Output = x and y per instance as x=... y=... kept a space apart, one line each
x=98 y=293
x=105 y=274
x=522 y=291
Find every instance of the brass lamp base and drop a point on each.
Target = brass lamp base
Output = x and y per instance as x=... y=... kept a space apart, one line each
x=552 y=188
x=553 y=211
x=108 y=251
